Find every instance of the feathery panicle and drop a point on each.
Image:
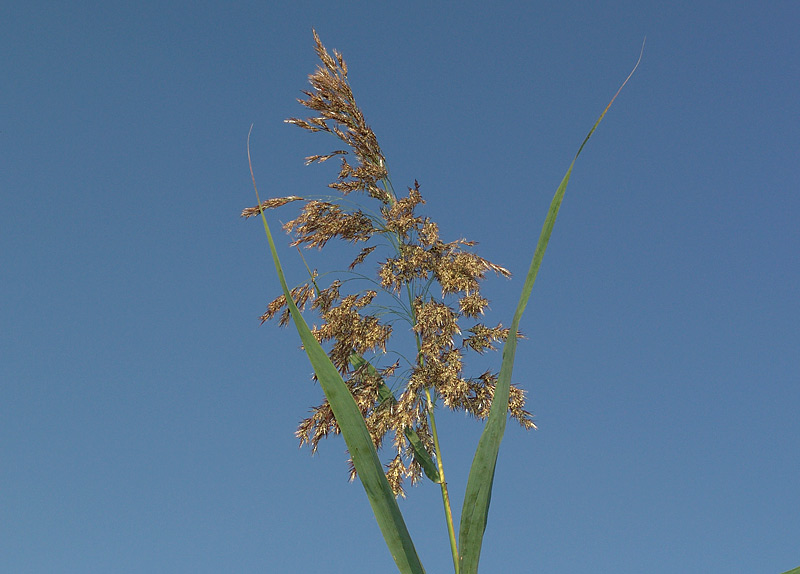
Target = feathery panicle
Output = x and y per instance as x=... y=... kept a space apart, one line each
x=269 y=204
x=321 y=221
x=356 y=324
x=332 y=99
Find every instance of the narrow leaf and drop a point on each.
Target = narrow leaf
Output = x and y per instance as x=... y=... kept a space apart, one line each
x=353 y=428
x=481 y=476
x=422 y=457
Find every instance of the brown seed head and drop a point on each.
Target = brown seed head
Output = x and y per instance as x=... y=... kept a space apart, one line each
x=351 y=324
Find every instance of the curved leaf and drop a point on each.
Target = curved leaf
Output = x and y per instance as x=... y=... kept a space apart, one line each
x=354 y=430
x=478 y=494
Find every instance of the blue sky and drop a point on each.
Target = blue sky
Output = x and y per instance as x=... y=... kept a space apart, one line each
x=146 y=420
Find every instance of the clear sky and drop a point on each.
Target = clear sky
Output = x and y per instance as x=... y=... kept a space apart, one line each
x=146 y=419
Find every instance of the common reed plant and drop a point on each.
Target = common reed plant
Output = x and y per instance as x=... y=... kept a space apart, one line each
x=403 y=279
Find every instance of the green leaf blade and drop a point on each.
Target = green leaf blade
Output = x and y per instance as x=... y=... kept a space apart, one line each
x=478 y=494
x=362 y=450
x=354 y=430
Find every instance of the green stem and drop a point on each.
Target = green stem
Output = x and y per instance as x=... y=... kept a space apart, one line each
x=443 y=484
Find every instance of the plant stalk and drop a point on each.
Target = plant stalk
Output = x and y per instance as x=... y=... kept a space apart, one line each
x=448 y=512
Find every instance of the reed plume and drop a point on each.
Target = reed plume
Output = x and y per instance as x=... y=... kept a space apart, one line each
x=411 y=276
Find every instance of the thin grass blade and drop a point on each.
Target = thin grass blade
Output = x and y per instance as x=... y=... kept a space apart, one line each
x=354 y=430
x=481 y=476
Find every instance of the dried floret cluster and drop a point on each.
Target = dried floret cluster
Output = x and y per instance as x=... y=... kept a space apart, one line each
x=433 y=285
